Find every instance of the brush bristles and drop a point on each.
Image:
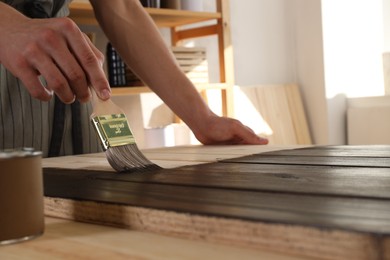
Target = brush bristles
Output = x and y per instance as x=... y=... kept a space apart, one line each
x=128 y=158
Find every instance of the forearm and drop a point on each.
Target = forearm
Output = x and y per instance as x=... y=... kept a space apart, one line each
x=8 y=14
x=8 y=17
x=140 y=44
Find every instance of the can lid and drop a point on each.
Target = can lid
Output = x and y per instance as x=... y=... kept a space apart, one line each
x=19 y=152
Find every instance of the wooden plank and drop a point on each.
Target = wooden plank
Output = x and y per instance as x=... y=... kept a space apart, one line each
x=226 y=57
x=168 y=157
x=244 y=200
x=313 y=180
x=338 y=150
x=321 y=211
x=216 y=151
x=82 y=13
x=298 y=115
x=65 y=239
x=275 y=111
x=271 y=103
x=302 y=241
x=182 y=49
x=314 y=160
x=196 y=32
x=136 y=90
x=361 y=156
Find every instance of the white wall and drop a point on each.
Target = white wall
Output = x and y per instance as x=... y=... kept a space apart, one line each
x=306 y=30
x=262 y=42
x=280 y=41
x=386 y=27
x=332 y=49
x=353 y=46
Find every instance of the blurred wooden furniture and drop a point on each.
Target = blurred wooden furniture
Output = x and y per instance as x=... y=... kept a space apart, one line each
x=82 y=13
x=273 y=111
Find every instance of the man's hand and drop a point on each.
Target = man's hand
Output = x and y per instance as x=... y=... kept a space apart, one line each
x=223 y=130
x=55 y=49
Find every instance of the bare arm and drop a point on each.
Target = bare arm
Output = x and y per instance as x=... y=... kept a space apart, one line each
x=53 y=48
x=133 y=33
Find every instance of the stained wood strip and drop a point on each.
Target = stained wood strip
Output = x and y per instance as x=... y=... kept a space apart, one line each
x=333 y=181
x=357 y=156
x=316 y=209
x=382 y=151
x=369 y=162
x=357 y=214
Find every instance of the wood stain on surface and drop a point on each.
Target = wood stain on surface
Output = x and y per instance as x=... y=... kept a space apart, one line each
x=339 y=196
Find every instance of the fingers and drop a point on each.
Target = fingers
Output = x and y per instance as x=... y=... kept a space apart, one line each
x=253 y=140
x=65 y=76
x=95 y=50
x=250 y=137
x=227 y=131
x=28 y=68
x=88 y=57
x=33 y=84
x=242 y=134
x=104 y=93
x=67 y=61
x=55 y=80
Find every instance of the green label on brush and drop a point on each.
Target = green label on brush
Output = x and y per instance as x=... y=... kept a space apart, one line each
x=115 y=129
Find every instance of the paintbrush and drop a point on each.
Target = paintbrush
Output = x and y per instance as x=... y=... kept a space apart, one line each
x=117 y=140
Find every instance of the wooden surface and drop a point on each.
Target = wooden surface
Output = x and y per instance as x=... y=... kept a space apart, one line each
x=65 y=239
x=297 y=202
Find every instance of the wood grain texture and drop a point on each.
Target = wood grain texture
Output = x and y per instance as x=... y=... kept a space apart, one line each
x=295 y=201
x=65 y=239
x=305 y=242
x=361 y=156
x=278 y=110
x=169 y=157
x=231 y=201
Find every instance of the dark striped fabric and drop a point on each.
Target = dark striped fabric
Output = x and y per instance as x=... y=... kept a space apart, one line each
x=27 y=122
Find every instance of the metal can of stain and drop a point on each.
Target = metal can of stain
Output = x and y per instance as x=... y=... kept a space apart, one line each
x=21 y=195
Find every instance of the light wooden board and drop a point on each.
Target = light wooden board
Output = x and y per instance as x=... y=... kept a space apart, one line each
x=168 y=157
x=65 y=239
x=275 y=111
x=304 y=242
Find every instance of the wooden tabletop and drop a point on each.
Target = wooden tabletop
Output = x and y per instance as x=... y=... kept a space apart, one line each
x=69 y=239
x=64 y=239
x=169 y=157
x=328 y=202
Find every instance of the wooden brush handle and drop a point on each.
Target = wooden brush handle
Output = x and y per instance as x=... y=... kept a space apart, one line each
x=103 y=107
